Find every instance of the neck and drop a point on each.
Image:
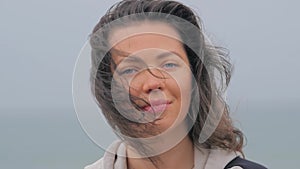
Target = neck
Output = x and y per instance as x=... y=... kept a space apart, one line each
x=178 y=157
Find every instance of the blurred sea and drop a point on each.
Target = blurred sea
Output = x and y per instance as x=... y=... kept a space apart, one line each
x=53 y=138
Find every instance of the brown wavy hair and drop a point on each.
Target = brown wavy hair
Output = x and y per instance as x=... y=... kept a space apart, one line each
x=226 y=136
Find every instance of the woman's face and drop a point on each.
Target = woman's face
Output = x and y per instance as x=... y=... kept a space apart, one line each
x=155 y=68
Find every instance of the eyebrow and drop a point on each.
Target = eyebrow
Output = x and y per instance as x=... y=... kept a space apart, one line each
x=134 y=58
x=131 y=59
x=167 y=54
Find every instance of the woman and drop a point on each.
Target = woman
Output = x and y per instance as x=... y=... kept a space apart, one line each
x=159 y=83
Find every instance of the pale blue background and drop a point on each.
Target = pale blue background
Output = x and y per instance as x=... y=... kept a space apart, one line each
x=39 y=44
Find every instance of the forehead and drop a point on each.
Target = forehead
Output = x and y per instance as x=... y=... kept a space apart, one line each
x=146 y=35
x=142 y=28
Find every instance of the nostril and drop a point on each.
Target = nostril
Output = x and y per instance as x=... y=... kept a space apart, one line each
x=150 y=87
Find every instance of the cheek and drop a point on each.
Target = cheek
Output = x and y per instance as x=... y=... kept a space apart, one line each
x=183 y=89
x=134 y=86
x=128 y=85
x=182 y=83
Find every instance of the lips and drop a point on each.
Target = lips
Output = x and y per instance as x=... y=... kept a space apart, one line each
x=156 y=106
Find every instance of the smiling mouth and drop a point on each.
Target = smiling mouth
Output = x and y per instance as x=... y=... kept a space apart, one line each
x=156 y=106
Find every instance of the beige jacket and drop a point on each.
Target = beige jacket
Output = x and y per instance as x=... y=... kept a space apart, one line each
x=216 y=159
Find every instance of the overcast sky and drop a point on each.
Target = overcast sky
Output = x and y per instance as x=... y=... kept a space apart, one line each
x=40 y=41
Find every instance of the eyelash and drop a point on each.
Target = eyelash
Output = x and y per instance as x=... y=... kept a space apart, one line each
x=173 y=65
x=127 y=71
x=130 y=71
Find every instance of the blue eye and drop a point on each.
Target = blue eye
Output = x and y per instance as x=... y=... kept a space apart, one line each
x=128 y=71
x=170 y=65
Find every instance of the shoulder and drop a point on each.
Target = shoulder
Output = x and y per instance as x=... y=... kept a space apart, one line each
x=240 y=163
x=216 y=158
x=220 y=158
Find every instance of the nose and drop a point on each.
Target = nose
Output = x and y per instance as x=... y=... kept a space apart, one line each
x=152 y=79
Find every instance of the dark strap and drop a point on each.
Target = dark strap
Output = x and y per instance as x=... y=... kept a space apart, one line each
x=245 y=164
